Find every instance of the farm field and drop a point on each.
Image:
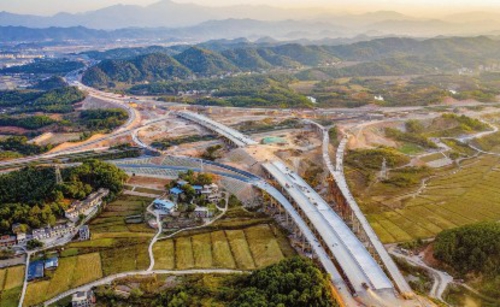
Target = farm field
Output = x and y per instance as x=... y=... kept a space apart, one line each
x=112 y=219
x=122 y=246
x=149 y=191
x=11 y=281
x=115 y=246
x=244 y=249
x=455 y=197
x=72 y=272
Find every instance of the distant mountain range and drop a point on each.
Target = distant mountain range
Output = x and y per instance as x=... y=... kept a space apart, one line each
x=220 y=29
x=164 y=13
x=170 y=19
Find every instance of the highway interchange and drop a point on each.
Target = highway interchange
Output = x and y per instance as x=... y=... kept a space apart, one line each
x=363 y=281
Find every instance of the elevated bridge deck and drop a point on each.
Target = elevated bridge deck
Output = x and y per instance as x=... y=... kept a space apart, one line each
x=360 y=268
x=234 y=136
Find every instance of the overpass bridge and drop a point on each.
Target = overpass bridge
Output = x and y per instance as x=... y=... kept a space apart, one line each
x=349 y=208
x=234 y=136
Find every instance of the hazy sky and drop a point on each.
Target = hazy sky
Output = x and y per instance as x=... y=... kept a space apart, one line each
x=47 y=7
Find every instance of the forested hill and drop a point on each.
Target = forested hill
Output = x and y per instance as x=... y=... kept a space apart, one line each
x=471 y=249
x=380 y=57
x=196 y=61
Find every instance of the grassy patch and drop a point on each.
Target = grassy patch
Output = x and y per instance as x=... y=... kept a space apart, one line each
x=410 y=149
x=101 y=242
x=3 y=274
x=87 y=269
x=14 y=277
x=432 y=157
x=10 y=298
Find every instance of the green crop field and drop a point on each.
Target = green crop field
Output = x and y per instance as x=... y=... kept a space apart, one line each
x=124 y=259
x=454 y=198
x=14 y=277
x=164 y=255
x=112 y=219
x=245 y=249
x=184 y=253
x=11 y=281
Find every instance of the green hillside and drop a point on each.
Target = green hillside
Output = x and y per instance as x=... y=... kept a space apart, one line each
x=204 y=62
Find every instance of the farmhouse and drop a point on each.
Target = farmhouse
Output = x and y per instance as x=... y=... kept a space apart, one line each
x=21 y=238
x=176 y=191
x=7 y=241
x=83 y=299
x=202 y=212
x=81 y=207
x=51 y=263
x=164 y=205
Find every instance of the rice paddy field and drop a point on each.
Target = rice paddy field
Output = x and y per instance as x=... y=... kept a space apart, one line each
x=243 y=249
x=454 y=197
x=71 y=273
x=11 y=281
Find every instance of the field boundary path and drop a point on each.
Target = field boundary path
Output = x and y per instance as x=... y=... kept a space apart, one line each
x=155 y=238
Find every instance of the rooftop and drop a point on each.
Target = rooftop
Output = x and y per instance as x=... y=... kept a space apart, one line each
x=164 y=203
x=176 y=191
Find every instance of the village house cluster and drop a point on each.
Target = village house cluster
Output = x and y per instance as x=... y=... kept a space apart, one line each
x=79 y=208
x=73 y=213
x=169 y=206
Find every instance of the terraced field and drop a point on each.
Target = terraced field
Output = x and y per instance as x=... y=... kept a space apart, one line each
x=467 y=195
x=244 y=249
x=122 y=246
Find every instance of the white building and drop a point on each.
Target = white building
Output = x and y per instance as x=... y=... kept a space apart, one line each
x=83 y=299
x=53 y=232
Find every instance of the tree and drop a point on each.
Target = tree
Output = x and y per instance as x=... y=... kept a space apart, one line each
x=189 y=191
x=33 y=244
x=205 y=179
